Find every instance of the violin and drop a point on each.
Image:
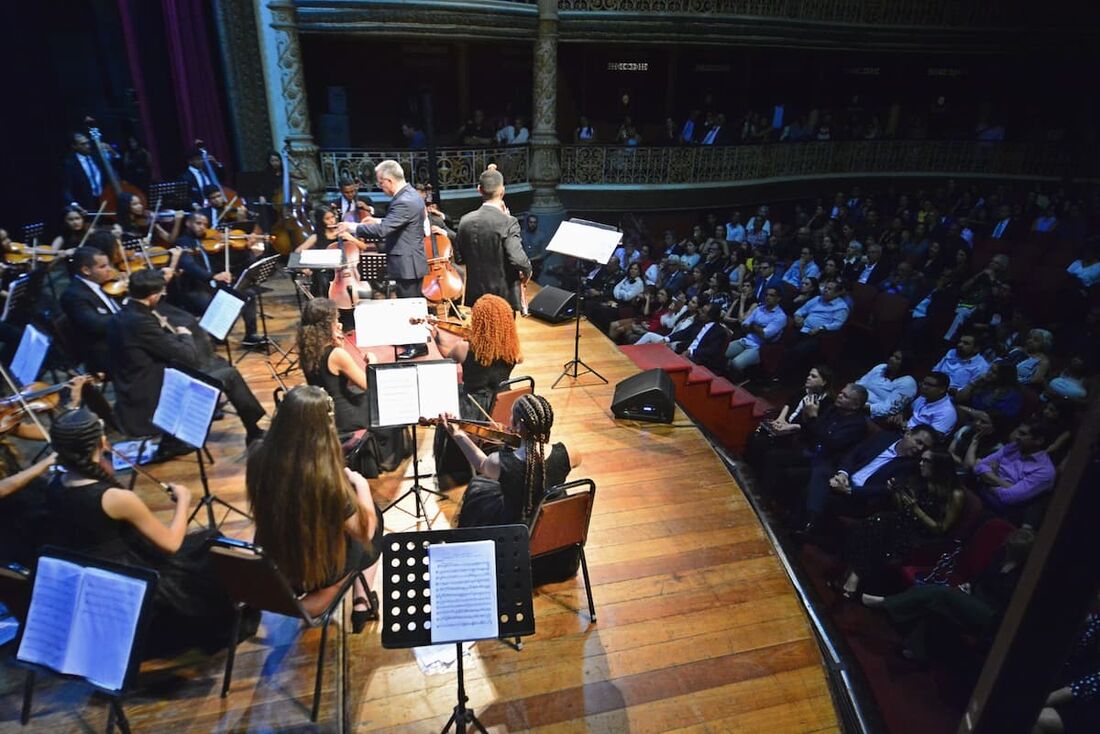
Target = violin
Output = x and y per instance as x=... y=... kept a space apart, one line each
x=452 y=326
x=479 y=429
x=214 y=242
x=38 y=397
x=21 y=253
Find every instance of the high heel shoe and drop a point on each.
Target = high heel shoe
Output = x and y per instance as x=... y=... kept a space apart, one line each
x=360 y=617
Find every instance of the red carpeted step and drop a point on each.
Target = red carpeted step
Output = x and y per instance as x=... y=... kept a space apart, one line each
x=699 y=374
x=721 y=386
x=656 y=356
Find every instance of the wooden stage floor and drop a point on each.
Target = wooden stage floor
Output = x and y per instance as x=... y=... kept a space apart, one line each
x=698 y=626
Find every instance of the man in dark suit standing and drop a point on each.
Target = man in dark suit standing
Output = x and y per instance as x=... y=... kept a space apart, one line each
x=401 y=231
x=84 y=178
x=89 y=309
x=142 y=343
x=490 y=245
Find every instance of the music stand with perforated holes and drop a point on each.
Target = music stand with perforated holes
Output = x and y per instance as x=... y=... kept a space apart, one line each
x=406 y=594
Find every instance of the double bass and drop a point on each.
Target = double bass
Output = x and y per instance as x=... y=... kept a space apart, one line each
x=109 y=198
x=291 y=227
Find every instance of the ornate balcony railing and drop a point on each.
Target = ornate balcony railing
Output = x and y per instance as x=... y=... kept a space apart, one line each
x=596 y=164
x=894 y=12
x=458 y=168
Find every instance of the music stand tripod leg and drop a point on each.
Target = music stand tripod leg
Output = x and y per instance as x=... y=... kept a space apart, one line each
x=574 y=365
x=209 y=499
x=462 y=717
x=416 y=488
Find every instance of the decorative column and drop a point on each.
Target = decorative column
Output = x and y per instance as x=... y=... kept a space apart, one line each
x=244 y=78
x=545 y=173
x=286 y=89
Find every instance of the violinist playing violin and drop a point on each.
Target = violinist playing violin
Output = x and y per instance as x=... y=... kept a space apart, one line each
x=488 y=355
x=134 y=220
x=23 y=511
x=511 y=483
x=219 y=211
x=489 y=245
x=201 y=272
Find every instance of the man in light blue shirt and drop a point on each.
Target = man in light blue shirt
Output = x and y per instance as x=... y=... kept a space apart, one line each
x=963 y=364
x=802 y=268
x=933 y=407
x=827 y=312
x=763 y=326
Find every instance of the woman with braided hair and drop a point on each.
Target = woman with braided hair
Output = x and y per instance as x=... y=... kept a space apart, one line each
x=510 y=483
x=487 y=357
x=94 y=515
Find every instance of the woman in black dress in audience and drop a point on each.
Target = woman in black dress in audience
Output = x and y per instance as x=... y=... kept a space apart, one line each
x=93 y=515
x=314 y=517
x=926 y=507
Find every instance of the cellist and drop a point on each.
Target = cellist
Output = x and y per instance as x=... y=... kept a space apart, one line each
x=351 y=207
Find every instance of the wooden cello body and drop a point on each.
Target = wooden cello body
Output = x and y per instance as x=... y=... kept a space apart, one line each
x=292 y=226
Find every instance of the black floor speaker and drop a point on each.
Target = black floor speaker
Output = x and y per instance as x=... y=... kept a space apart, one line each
x=645 y=397
x=553 y=304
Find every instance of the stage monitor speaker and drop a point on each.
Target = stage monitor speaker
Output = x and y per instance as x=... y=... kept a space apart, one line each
x=553 y=304
x=647 y=396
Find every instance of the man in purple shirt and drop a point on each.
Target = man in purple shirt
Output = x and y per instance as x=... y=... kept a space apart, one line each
x=1017 y=472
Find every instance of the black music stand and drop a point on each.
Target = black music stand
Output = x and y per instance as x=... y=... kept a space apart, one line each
x=591 y=242
x=254 y=275
x=377 y=421
x=175 y=404
x=116 y=714
x=23 y=296
x=171 y=194
x=405 y=578
x=372 y=268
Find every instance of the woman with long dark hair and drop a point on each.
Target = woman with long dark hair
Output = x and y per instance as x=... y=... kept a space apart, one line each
x=326 y=364
x=314 y=517
x=133 y=219
x=73 y=228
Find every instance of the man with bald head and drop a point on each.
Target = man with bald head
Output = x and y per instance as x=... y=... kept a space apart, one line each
x=490 y=245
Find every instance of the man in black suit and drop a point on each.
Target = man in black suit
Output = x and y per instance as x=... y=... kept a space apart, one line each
x=490 y=246
x=88 y=308
x=83 y=177
x=142 y=343
x=401 y=231
x=708 y=346
x=197 y=178
x=866 y=470
x=1007 y=226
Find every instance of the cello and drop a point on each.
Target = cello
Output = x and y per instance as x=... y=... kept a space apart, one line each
x=443 y=281
x=344 y=289
x=292 y=226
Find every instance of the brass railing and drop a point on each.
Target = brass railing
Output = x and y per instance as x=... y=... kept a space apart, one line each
x=894 y=12
x=597 y=164
x=458 y=168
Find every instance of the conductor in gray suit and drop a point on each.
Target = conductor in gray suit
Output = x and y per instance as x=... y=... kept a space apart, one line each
x=489 y=245
x=401 y=231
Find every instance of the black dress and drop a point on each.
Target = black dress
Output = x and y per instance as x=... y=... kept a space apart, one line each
x=481 y=383
x=349 y=402
x=24 y=515
x=500 y=502
x=889 y=536
x=187 y=591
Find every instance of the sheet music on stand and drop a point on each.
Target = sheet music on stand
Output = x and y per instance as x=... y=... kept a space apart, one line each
x=22 y=295
x=223 y=311
x=33 y=231
x=388 y=321
x=404 y=392
x=585 y=240
x=186 y=406
x=316 y=259
x=86 y=619
x=30 y=356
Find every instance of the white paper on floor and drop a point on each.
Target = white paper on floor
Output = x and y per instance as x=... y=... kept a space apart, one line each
x=439 y=659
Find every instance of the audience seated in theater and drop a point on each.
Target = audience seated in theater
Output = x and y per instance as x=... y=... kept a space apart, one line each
x=937 y=617
x=963 y=364
x=764 y=324
x=974 y=440
x=651 y=308
x=821 y=314
x=765 y=276
x=863 y=472
x=1032 y=360
x=889 y=385
x=1075 y=705
x=808 y=289
x=997 y=392
x=925 y=506
x=708 y=346
x=824 y=435
x=1016 y=473
x=1087 y=268
x=802 y=268
x=976 y=292
x=906 y=282
x=875 y=268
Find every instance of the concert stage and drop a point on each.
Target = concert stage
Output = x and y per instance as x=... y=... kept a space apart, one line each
x=698 y=627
